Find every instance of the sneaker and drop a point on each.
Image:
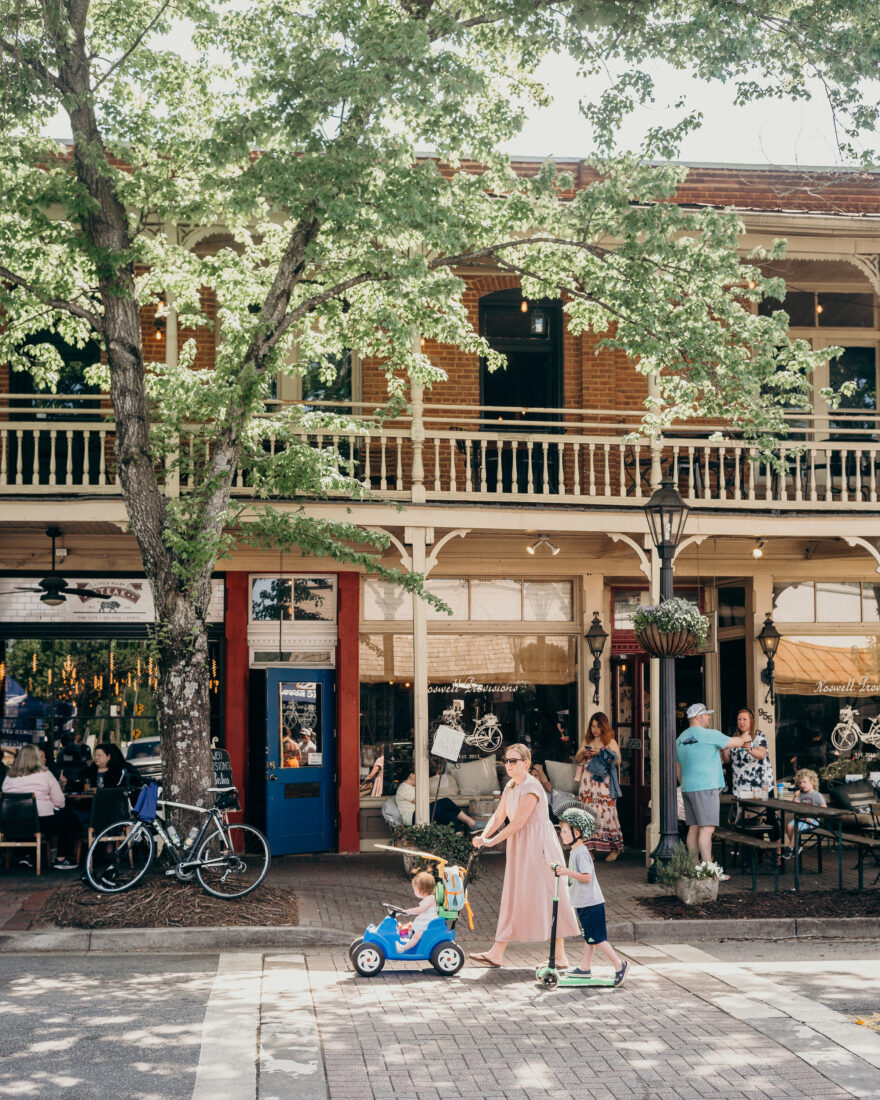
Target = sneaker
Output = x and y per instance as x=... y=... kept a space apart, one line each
x=724 y=878
x=619 y=975
x=579 y=972
x=787 y=852
x=63 y=865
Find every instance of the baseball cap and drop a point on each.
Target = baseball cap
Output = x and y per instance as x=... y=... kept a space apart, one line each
x=695 y=709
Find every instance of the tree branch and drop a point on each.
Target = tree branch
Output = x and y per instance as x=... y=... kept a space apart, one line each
x=37 y=67
x=67 y=305
x=121 y=60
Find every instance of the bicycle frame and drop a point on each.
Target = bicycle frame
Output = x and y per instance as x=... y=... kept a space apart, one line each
x=212 y=816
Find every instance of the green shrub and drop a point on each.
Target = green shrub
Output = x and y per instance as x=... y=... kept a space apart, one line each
x=681 y=865
x=440 y=840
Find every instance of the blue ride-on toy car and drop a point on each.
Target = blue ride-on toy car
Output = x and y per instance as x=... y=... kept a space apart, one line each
x=370 y=952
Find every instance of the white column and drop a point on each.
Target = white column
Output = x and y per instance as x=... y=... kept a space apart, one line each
x=416 y=537
x=653 y=836
x=765 y=712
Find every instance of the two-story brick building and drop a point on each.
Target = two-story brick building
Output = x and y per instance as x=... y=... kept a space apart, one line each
x=524 y=496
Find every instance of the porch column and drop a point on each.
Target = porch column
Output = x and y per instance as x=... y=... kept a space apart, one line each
x=417 y=432
x=417 y=538
x=765 y=712
x=653 y=835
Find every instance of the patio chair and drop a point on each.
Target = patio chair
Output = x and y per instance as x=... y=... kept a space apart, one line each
x=20 y=826
x=108 y=807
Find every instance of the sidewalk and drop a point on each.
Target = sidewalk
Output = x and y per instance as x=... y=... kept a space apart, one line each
x=342 y=893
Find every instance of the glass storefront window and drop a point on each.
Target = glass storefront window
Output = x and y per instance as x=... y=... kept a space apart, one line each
x=838 y=602
x=732 y=606
x=794 y=603
x=301 y=599
x=385 y=603
x=496 y=601
x=454 y=594
x=547 y=601
x=299 y=732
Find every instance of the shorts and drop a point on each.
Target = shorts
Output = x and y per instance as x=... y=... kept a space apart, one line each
x=806 y=823
x=592 y=918
x=701 y=807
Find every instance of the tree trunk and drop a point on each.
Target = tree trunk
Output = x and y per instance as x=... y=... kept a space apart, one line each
x=183 y=712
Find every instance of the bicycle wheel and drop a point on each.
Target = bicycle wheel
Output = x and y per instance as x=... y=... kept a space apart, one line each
x=843 y=737
x=119 y=857
x=233 y=861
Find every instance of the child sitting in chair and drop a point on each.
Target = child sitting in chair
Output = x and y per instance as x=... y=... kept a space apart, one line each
x=423 y=887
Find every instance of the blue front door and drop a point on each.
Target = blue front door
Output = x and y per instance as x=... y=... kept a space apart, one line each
x=300 y=760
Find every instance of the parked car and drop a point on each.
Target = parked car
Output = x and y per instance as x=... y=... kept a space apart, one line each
x=146 y=755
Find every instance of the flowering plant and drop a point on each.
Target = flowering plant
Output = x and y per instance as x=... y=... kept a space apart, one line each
x=707 y=870
x=673 y=615
x=682 y=864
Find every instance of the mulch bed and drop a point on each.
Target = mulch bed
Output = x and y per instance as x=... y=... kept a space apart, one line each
x=819 y=903
x=159 y=902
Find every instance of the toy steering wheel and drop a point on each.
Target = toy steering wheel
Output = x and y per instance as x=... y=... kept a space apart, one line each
x=391 y=910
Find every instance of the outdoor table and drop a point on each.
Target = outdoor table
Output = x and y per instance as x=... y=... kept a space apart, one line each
x=830 y=814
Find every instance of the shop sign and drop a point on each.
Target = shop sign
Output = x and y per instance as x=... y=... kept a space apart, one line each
x=862 y=686
x=447 y=742
x=117 y=599
x=470 y=686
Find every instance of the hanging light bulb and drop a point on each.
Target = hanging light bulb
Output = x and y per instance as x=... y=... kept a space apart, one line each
x=524 y=306
x=34 y=662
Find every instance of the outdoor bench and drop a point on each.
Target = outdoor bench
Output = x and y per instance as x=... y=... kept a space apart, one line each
x=754 y=844
x=862 y=842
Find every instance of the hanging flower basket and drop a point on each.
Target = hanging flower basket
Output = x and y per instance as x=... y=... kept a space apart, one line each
x=670 y=628
x=662 y=643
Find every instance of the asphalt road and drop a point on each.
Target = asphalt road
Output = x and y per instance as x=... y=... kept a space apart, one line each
x=102 y=1026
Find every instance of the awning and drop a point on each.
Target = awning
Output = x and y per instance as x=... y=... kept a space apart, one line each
x=807 y=668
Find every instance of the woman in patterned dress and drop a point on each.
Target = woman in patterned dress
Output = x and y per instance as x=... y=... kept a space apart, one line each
x=599 y=793
x=751 y=764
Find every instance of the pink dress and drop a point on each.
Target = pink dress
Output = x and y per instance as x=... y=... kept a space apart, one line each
x=527 y=897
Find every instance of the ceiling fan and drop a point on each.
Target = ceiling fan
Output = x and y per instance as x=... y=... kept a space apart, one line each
x=54 y=589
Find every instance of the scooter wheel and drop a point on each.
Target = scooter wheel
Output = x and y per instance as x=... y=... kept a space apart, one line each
x=368 y=959
x=447 y=959
x=550 y=980
x=354 y=946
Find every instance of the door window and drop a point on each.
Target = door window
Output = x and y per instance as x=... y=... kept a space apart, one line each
x=299 y=730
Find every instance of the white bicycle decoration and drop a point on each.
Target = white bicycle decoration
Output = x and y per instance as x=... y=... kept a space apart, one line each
x=486 y=734
x=847 y=733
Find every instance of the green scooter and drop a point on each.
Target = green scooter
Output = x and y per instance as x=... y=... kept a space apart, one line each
x=548 y=975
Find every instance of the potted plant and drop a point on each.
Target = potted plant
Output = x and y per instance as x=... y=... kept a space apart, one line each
x=694 y=883
x=439 y=840
x=670 y=628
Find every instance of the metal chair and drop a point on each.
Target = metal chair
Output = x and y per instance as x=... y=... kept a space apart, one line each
x=20 y=826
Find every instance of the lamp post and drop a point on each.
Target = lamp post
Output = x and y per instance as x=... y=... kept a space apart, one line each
x=666 y=513
x=769 y=639
x=596 y=639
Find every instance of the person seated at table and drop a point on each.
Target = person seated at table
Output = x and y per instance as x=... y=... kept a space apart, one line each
x=109 y=768
x=443 y=812
x=807 y=792
x=28 y=775
x=307 y=745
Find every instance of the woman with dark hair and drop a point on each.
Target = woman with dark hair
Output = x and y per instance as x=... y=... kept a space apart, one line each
x=109 y=768
x=598 y=760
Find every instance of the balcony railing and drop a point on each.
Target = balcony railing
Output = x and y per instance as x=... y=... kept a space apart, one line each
x=469 y=454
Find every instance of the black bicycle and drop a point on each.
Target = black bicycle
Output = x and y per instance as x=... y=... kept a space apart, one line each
x=229 y=861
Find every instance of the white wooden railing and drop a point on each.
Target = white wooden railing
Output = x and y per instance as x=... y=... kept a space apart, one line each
x=470 y=454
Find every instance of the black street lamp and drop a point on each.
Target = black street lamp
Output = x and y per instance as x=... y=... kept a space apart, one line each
x=666 y=513
x=769 y=639
x=596 y=639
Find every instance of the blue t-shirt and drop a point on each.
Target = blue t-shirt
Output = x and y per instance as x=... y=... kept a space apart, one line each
x=697 y=751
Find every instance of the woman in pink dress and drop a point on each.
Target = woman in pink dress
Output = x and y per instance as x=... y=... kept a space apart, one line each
x=599 y=792
x=532 y=846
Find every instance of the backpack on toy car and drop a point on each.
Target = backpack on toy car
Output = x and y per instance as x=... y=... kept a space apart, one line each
x=453 y=888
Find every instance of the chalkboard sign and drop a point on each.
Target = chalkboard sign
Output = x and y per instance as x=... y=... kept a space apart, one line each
x=223 y=772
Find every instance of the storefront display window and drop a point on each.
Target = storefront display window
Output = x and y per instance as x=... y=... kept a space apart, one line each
x=816 y=676
x=297 y=599
x=826 y=602
x=477 y=600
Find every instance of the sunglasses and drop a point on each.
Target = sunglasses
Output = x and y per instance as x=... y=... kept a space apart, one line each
x=513 y=760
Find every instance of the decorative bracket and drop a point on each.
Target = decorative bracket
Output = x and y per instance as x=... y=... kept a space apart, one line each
x=857 y=540
x=691 y=539
x=645 y=561
x=459 y=532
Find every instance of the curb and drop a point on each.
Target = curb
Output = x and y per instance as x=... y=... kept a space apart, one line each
x=195 y=940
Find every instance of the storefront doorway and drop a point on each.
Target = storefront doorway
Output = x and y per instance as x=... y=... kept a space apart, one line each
x=631 y=721
x=300 y=760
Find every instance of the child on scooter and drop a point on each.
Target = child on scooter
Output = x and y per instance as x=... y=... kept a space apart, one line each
x=423 y=887
x=586 y=897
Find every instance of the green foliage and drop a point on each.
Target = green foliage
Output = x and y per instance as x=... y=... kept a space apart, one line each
x=682 y=864
x=839 y=769
x=673 y=615
x=439 y=840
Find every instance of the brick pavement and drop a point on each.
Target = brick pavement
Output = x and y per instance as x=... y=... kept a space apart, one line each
x=494 y=1034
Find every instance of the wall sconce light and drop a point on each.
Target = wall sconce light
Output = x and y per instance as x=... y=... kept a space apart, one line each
x=769 y=640
x=524 y=306
x=758 y=549
x=161 y=319
x=596 y=639
x=542 y=540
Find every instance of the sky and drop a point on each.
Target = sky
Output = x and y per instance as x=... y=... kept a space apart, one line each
x=772 y=132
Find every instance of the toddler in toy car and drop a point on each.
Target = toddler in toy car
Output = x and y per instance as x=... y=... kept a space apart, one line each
x=423 y=913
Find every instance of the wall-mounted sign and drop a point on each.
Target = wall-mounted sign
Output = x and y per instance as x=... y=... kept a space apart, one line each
x=117 y=599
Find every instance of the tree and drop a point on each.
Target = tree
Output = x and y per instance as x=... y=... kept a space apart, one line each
x=290 y=130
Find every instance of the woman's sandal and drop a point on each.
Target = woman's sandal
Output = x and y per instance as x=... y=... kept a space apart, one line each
x=481 y=959
x=612 y=856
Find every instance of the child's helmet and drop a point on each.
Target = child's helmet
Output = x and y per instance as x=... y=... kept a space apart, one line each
x=580 y=819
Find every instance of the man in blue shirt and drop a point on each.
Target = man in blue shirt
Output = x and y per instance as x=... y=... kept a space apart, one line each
x=698 y=763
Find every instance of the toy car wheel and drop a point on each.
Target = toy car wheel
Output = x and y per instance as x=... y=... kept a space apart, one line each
x=353 y=947
x=550 y=980
x=368 y=959
x=447 y=959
